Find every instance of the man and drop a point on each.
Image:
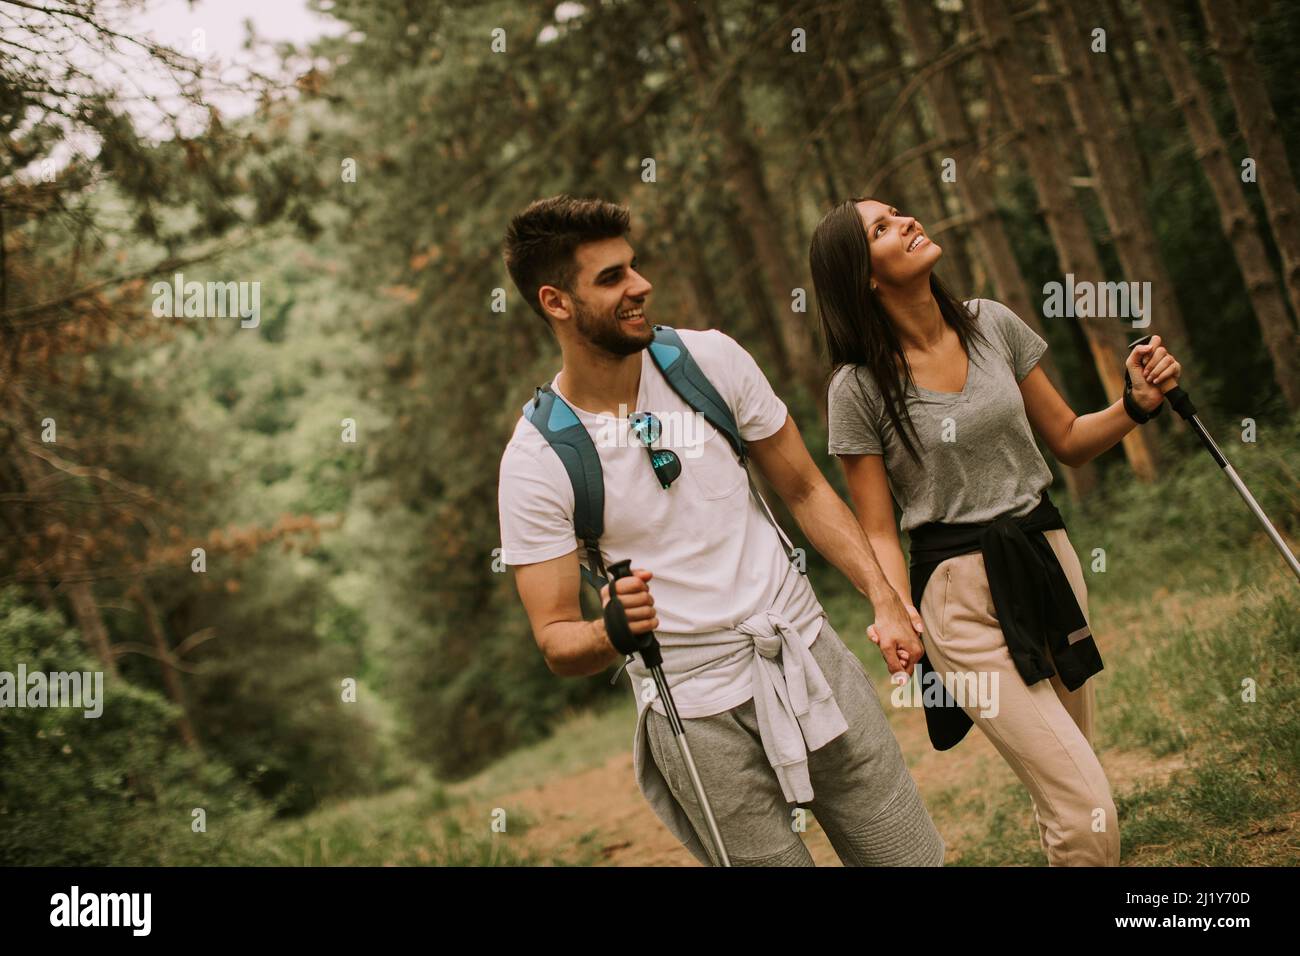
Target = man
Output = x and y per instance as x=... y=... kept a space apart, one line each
x=779 y=714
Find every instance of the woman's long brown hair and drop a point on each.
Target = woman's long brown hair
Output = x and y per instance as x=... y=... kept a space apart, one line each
x=856 y=326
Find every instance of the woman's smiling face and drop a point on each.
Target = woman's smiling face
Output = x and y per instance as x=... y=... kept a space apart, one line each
x=900 y=250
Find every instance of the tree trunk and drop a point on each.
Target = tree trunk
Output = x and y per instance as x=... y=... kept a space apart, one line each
x=1259 y=127
x=752 y=289
x=682 y=227
x=703 y=291
x=1239 y=224
x=89 y=621
x=1126 y=71
x=830 y=183
x=1049 y=170
x=163 y=651
x=80 y=594
x=891 y=189
x=958 y=260
x=1105 y=147
x=991 y=242
x=758 y=214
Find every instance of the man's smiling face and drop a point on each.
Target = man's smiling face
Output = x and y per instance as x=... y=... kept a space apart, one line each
x=609 y=297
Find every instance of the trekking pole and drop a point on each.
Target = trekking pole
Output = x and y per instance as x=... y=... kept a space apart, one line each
x=648 y=648
x=1182 y=404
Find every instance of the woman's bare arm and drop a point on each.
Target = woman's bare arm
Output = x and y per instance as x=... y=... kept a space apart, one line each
x=874 y=506
x=1078 y=439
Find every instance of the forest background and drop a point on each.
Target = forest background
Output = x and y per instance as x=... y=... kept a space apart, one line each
x=278 y=539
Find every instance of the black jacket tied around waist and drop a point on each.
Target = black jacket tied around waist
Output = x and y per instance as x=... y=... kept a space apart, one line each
x=1036 y=607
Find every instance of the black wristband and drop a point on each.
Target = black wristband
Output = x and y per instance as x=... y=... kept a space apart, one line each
x=1134 y=410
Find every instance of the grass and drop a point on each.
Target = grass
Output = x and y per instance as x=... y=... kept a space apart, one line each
x=433 y=824
x=419 y=825
x=584 y=739
x=1228 y=694
x=1206 y=667
x=1168 y=688
x=1202 y=628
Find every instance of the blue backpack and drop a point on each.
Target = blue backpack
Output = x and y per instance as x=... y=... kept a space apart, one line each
x=570 y=441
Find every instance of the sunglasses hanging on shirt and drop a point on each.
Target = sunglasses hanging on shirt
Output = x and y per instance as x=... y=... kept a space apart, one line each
x=646 y=428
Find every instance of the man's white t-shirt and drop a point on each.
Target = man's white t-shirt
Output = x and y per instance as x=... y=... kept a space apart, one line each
x=716 y=558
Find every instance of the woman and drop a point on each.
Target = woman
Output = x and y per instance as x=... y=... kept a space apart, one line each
x=931 y=405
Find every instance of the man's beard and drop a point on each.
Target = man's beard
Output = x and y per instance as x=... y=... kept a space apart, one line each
x=607 y=332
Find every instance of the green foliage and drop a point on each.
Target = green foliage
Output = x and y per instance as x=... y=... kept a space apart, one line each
x=1192 y=513
x=117 y=789
x=269 y=698
x=376 y=308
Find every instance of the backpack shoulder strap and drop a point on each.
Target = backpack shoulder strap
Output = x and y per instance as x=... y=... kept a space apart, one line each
x=568 y=438
x=688 y=380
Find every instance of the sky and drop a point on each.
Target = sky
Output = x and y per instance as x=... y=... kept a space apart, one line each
x=172 y=21
x=212 y=31
x=215 y=30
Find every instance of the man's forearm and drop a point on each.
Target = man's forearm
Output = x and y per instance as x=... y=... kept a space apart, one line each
x=834 y=531
x=578 y=648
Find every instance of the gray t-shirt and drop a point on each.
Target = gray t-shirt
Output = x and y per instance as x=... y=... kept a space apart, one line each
x=978 y=457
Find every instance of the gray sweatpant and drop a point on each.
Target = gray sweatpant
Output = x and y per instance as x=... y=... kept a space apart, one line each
x=865 y=799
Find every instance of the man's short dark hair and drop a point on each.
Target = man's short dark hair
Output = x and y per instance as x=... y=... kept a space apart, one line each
x=541 y=240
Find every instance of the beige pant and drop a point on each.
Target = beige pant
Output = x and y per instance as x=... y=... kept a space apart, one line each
x=1042 y=730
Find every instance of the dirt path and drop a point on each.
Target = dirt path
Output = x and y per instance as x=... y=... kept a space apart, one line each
x=598 y=815
x=602 y=811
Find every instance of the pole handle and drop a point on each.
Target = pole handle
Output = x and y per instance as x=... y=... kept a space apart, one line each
x=617 y=626
x=1181 y=402
x=1177 y=397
